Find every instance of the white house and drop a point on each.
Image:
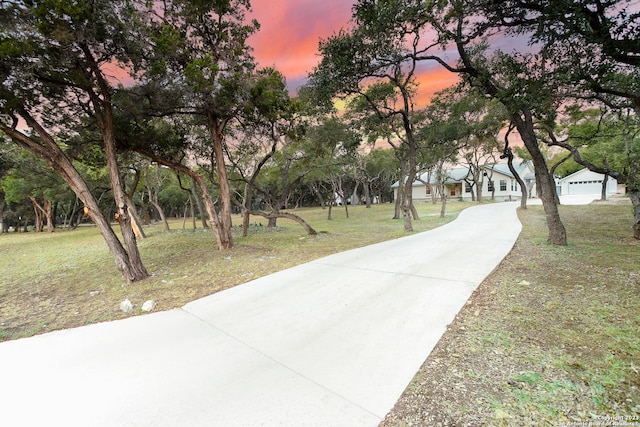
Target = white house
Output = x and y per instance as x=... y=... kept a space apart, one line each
x=585 y=182
x=496 y=180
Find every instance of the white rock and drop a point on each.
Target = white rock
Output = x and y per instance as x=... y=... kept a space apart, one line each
x=126 y=306
x=148 y=305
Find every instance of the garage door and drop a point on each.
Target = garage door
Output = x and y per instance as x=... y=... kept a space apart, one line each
x=585 y=187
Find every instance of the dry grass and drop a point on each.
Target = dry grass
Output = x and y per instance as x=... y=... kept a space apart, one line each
x=551 y=337
x=68 y=278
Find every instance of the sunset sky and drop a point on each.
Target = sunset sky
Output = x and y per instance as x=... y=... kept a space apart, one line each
x=289 y=35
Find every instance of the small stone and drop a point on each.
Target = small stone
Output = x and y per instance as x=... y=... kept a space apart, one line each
x=94 y=293
x=525 y=283
x=126 y=306
x=148 y=305
x=501 y=414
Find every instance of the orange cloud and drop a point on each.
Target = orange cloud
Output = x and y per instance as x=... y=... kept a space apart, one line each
x=432 y=81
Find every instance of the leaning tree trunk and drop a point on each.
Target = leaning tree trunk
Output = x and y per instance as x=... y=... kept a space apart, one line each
x=136 y=222
x=523 y=187
x=310 y=231
x=53 y=155
x=206 y=195
x=103 y=112
x=160 y=211
x=248 y=201
x=548 y=195
x=38 y=224
x=194 y=194
x=137 y=270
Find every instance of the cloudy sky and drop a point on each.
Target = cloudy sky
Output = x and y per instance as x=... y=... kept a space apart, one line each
x=290 y=31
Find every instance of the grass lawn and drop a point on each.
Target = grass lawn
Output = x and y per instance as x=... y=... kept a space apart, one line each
x=552 y=337
x=68 y=278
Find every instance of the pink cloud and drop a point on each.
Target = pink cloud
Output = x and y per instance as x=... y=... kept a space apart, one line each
x=291 y=29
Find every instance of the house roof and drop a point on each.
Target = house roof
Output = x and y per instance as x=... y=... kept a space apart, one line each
x=453 y=176
x=522 y=168
x=583 y=171
x=573 y=175
x=457 y=175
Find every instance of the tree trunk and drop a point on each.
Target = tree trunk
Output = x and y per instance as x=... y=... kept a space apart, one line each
x=160 y=211
x=367 y=193
x=603 y=192
x=408 y=188
x=508 y=153
x=103 y=114
x=310 y=231
x=137 y=270
x=248 y=201
x=136 y=223
x=216 y=129
x=443 y=207
x=196 y=197
x=193 y=212
x=633 y=184
x=343 y=196
x=548 y=195
x=401 y=186
x=221 y=237
x=634 y=195
x=38 y=224
x=206 y=195
x=316 y=191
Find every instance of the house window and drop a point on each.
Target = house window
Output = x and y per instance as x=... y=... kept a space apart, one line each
x=490 y=185
x=503 y=185
x=467 y=187
x=453 y=191
x=428 y=189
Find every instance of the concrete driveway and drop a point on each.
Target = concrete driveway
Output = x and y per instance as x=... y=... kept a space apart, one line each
x=330 y=343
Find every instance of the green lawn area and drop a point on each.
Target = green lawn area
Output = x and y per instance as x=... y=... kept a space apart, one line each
x=68 y=278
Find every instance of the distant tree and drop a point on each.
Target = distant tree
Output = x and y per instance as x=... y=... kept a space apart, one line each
x=30 y=179
x=381 y=167
x=154 y=179
x=369 y=65
x=269 y=121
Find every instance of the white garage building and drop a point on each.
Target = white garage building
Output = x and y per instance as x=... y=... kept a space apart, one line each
x=585 y=182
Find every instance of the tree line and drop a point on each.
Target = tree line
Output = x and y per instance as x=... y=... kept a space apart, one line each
x=200 y=126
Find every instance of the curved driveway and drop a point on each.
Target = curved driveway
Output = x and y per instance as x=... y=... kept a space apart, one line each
x=333 y=342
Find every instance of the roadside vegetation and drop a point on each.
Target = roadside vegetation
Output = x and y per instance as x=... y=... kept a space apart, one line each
x=66 y=279
x=550 y=338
